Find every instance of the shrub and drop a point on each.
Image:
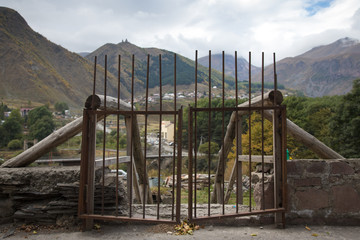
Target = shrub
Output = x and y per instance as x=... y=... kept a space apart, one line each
x=15 y=144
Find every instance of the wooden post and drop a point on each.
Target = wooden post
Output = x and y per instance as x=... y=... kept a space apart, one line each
x=138 y=158
x=234 y=169
x=90 y=184
x=277 y=153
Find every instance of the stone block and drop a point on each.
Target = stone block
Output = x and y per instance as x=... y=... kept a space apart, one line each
x=316 y=167
x=268 y=195
x=307 y=182
x=346 y=199
x=311 y=199
x=294 y=168
x=341 y=168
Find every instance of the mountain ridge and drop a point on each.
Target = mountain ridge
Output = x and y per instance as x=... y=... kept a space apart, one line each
x=35 y=69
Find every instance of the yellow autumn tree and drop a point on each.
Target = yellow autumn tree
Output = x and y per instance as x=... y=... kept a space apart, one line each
x=256 y=143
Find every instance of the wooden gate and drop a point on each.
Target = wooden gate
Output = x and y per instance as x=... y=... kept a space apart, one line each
x=101 y=198
x=270 y=194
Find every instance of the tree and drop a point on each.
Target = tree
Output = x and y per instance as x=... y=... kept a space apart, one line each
x=345 y=124
x=12 y=128
x=61 y=107
x=42 y=128
x=14 y=144
x=40 y=123
x=38 y=113
x=204 y=148
x=3 y=108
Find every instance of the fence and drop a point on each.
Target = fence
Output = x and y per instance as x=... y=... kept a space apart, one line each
x=140 y=198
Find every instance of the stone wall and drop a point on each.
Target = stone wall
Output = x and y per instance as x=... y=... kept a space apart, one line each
x=50 y=194
x=324 y=191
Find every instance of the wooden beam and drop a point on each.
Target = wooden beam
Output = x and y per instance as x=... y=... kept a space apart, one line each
x=307 y=139
x=63 y=134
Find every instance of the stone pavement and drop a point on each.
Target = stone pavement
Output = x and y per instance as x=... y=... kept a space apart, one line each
x=159 y=232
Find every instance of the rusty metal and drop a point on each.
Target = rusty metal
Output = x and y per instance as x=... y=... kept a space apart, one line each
x=262 y=132
x=209 y=134
x=146 y=125
x=237 y=136
x=160 y=133
x=130 y=187
x=190 y=164
x=117 y=139
x=173 y=162
x=179 y=164
x=193 y=131
x=223 y=133
x=104 y=141
x=94 y=84
x=250 y=130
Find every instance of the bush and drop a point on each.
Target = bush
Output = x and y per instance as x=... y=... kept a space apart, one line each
x=15 y=144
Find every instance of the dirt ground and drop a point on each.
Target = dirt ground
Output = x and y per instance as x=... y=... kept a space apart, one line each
x=162 y=231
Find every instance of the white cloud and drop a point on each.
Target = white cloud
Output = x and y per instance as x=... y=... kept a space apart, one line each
x=287 y=27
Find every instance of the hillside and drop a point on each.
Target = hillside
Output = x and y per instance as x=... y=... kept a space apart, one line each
x=185 y=67
x=242 y=65
x=324 y=70
x=34 y=69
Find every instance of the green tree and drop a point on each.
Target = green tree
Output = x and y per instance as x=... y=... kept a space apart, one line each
x=345 y=125
x=38 y=113
x=15 y=144
x=61 y=107
x=40 y=123
x=42 y=128
x=3 y=108
x=204 y=148
x=12 y=128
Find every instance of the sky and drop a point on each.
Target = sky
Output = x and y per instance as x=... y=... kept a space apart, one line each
x=284 y=27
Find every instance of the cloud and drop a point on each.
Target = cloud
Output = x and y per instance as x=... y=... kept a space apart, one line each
x=287 y=27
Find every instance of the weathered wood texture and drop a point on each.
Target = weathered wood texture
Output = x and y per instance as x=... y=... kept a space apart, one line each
x=63 y=134
x=307 y=139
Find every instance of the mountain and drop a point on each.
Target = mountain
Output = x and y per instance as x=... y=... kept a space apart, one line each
x=324 y=70
x=242 y=65
x=34 y=69
x=185 y=67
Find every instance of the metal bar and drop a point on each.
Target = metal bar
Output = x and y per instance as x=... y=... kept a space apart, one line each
x=209 y=133
x=94 y=84
x=234 y=215
x=190 y=164
x=250 y=132
x=179 y=164
x=117 y=139
x=251 y=108
x=262 y=133
x=173 y=163
x=138 y=112
x=237 y=136
x=146 y=123
x=222 y=132
x=131 y=137
x=104 y=142
x=121 y=218
x=284 y=162
x=275 y=78
x=160 y=123
x=195 y=134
